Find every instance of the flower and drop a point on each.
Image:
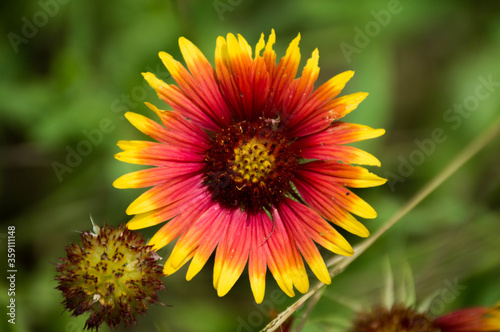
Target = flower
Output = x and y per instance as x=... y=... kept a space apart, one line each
x=398 y=318
x=471 y=320
x=112 y=275
x=396 y=310
x=249 y=163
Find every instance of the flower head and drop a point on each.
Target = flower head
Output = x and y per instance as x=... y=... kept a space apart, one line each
x=471 y=320
x=251 y=163
x=398 y=318
x=112 y=275
x=396 y=310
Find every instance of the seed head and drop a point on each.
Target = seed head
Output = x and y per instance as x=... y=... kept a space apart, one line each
x=398 y=318
x=112 y=275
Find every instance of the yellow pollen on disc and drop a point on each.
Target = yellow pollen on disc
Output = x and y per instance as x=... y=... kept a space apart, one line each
x=253 y=161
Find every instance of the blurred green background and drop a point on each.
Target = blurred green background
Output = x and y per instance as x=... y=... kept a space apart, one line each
x=71 y=67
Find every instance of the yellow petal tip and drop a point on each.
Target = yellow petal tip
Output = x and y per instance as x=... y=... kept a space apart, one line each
x=119 y=184
x=363 y=233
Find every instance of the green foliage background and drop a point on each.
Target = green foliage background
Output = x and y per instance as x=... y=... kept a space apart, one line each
x=83 y=65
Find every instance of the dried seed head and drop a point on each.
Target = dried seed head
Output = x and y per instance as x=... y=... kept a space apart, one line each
x=112 y=275
x=399 y=318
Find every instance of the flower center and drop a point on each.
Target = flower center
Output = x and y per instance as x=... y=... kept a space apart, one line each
x=253 y=161
x=250 y=165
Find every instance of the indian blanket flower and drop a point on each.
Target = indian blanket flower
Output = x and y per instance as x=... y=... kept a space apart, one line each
x=471 y=320
x=113 y=275
x=249 y=163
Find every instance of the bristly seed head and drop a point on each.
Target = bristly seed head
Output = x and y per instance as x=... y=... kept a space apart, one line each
x=249 y=165
x=399 y=318
x=112 y=275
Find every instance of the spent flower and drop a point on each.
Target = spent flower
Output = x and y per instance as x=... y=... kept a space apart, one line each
x=398 y=318
x=112 y=275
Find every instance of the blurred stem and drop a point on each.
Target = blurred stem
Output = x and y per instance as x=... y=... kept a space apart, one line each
x=339 y=264
x=310 y=306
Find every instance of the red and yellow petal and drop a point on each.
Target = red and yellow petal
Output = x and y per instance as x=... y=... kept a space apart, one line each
x=208 y=245
x=305 y=245
x=245 y=81
x=340 y=107
x=238 y=64
x=257 y=264
x=300 y=278
x=342 y=197
x=235 y=260
x=331 y=111
x=323 y=185
x=181 y=222
x=174 y=122
x=188 y=243
x=340 y=153
x=338 y=133
x=301 y=88
x=232 y=253
x=296 y=268
x=316 y=227
x=203 y=72
x=341 y=174
x=275 y=245
x=224 y=76
x=471 y=320
x=239 y=55
x=148 y=127
x=203 y=93
x=322 y=117
x=175 y=97
x=302 y=123
x=284 y=75
x=259 y=46
x=261 y=81
x=155 y=176
x=182 y=135
x=269 y=55
x=154 y=154
x=329 y=209
x=344 y=133
x=164 y=194
x=154 y=217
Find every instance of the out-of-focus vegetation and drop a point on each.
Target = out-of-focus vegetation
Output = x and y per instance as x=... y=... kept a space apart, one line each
x=70 y=69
